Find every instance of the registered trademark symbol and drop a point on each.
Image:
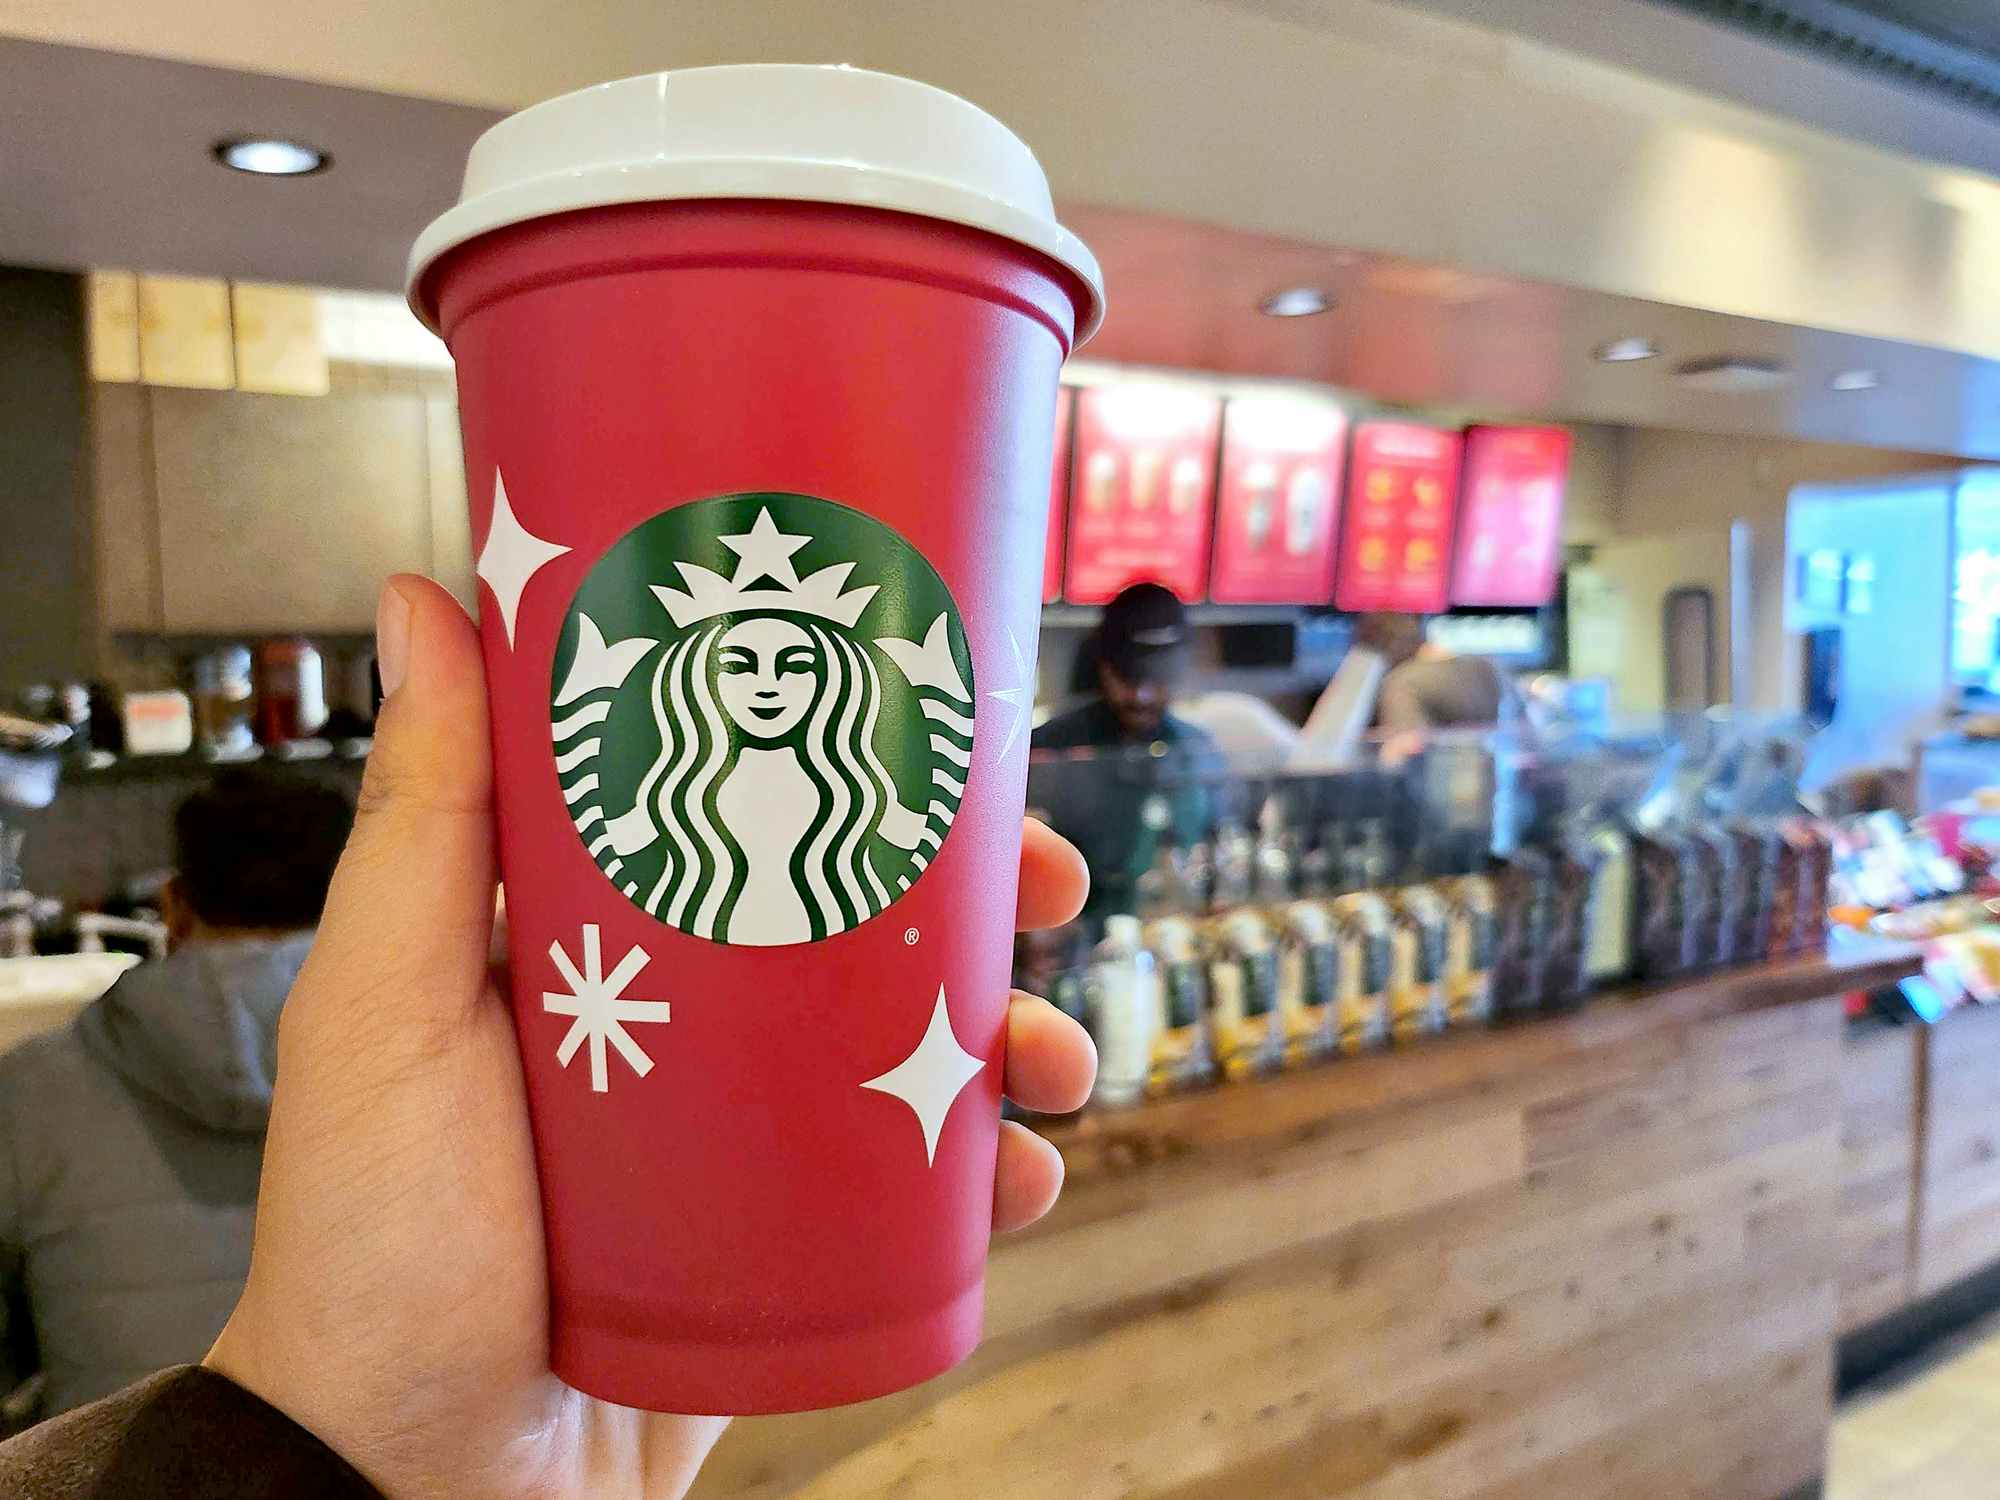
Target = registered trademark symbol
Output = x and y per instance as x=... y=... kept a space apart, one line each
x=910 y=936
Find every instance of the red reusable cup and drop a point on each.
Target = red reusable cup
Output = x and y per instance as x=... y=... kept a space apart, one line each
x=757 y=375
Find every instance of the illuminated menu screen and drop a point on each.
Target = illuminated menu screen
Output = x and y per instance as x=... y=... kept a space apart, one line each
x=1052 y=555
x=1279 y=508
x=1142 y=492
x=1402 y=492
x=1510 y=516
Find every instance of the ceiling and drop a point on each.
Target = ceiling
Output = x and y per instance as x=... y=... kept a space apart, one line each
x=1949 y=49
x=1764 y=58
x=82 y=188
x=1422 y=335
x=1615 y=145
x=1972 y=24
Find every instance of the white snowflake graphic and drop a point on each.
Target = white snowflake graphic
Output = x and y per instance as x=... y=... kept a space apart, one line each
x=597 y=1002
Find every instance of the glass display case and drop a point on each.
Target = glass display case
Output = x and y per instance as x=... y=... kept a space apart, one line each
x=1242 y=923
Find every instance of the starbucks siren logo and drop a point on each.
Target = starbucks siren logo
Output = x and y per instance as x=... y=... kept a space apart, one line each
x=732 y=751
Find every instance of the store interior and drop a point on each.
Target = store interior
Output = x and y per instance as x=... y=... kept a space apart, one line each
x=1486 y=1103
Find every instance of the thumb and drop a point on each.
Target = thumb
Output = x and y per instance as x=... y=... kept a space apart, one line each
x=410 y=911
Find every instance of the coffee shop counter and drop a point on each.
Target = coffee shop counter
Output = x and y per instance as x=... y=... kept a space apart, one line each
x=1590 y=1256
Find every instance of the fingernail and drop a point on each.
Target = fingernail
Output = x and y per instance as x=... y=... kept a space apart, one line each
x=392 y=639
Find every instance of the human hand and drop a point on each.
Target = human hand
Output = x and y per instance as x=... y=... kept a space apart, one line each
x=397 y=1305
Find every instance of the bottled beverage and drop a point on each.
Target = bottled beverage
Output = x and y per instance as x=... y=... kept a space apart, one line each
x=1069 y=992
x=1247 y=1031
x=1471 y=937
x=1608 y=947
x=1181 y=1055
x=1308 y=971
x=1274 y=861
x=1124 y=1011
x=1363 y=942
x=1161 y=888
x=1197 y=874
x=291 y=691
x=1367 y=861
x=224 y=698
x=1417 y=1005
x=1319 y=865
x=1235 y=856
x=1377 y=858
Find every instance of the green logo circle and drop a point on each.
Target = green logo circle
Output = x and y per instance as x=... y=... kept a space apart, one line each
x=761 y=712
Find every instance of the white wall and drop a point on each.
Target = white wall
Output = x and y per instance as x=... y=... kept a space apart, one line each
x=1671 y=481
x=1894 y=665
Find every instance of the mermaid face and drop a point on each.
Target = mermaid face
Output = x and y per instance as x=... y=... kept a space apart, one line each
x=768 y=672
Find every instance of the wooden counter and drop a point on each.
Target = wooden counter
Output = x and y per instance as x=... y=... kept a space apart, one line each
x=1958 y=1206
x=1592 y=1256
x=1882 y=1090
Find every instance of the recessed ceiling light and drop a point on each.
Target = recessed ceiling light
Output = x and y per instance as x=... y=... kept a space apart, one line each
x=271 y=156
x=1296 y=302
x=1732 y=375
x=1627 y=350
x=1856 y=380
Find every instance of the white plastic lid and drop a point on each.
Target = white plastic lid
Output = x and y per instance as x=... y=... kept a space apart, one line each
x=788 y=131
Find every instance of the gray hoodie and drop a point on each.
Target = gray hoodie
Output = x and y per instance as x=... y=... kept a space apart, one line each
x=130 y=1144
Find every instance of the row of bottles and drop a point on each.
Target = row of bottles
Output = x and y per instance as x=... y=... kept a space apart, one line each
x=1250 y=954
x=1182 y=999
x=1236 y=868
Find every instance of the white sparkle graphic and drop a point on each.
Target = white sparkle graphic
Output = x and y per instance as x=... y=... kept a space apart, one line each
x=931 y=1078
x=512 y=555
x=1017 y=697
x=597 y=1002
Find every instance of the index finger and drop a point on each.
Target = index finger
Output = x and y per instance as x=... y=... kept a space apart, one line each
x=1054 y=878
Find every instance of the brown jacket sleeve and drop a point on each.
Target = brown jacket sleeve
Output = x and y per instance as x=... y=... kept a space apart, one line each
x=188 y=1434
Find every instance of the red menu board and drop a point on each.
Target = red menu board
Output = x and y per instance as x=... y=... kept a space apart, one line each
x=1510 y=520
x=1144 y=490
x=1058 y=495
x=1402 y=490
x=1276 y=516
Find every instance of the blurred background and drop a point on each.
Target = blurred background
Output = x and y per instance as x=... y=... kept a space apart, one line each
x=1542 y=799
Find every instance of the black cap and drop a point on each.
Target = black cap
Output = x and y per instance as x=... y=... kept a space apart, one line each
x=1144 y=632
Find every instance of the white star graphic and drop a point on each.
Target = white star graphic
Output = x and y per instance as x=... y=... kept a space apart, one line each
x=597 y=1002
x=1017 y=697
x=931 y=1078
x=512 y=555
x=766 y=552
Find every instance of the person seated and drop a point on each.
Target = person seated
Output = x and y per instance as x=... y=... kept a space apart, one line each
x=130 y=1141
